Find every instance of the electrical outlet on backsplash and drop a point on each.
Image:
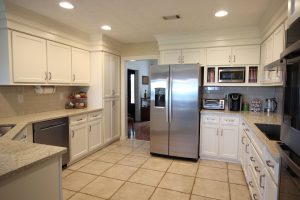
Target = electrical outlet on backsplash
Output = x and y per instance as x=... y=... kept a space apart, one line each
x=248 y=93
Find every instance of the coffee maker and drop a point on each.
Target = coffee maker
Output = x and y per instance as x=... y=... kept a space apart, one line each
x=235 y=102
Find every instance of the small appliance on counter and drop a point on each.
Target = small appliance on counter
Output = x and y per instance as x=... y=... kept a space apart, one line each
x=214 y=104
x=235 y=102
x=270 y=105
x=77 y=100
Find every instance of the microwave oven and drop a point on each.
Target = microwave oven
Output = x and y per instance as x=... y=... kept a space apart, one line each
x=231 y=74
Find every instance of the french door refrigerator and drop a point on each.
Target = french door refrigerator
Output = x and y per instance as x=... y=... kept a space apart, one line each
x=174 y=111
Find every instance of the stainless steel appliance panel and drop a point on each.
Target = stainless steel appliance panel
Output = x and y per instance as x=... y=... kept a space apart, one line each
x=184 y=111
x=53 y=132
x=159 y=124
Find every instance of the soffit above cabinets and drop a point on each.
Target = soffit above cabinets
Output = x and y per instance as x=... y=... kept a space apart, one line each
x=135 y=21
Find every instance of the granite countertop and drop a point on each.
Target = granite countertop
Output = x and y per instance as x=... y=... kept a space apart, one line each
x=251 y=118
x=16 y=156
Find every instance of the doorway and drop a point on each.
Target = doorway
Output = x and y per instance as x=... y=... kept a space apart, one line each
x=138 y=98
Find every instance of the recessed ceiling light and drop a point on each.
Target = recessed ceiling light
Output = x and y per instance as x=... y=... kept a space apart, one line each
x=106 y=27
x=221 y=13
x=132 y=60
x=66 y=5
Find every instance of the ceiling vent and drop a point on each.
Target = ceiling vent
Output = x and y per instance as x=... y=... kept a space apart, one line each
x=171 y=17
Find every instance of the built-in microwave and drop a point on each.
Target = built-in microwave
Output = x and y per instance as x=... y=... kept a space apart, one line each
x=231 y=74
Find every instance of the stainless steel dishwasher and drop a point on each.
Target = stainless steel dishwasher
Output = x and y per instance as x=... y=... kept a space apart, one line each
x=53 y=132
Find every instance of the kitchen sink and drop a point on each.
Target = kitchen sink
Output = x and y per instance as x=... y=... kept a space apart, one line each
x=272 y=131
x=4 y=128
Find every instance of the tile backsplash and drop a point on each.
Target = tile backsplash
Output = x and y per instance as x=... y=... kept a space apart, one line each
x=248 y=93
x=21 y=100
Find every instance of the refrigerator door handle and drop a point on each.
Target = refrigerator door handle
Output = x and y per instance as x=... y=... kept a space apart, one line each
x=170 y=99
x=167 y=100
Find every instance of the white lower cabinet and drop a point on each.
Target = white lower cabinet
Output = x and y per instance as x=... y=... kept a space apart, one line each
x=219 y=137
x=79 y=141
x=85 y=134
x=261 y=170
x=228 y=142
x=111 y=119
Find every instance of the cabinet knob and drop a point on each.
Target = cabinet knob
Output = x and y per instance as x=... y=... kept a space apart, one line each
x=46 y=76
x=234 y=58
x=74 y=77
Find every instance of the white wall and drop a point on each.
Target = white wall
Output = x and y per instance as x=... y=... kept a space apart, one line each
x=143 y=69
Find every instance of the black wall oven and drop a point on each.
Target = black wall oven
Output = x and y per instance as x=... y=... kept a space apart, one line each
x=289 y=147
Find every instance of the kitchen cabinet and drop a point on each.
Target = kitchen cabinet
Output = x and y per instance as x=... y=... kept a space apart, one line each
x=111 y=119
x=209 y=140
x=219 y=137
x=80 y=66
x=58 y=62
x=270 y=52
x=29 y=58
x=78 y=141
x=228 y=142
x=85 y=134
x=270 y=187
x=111 y=75
x=183 y=56
x=237 y=55
x=219 y=56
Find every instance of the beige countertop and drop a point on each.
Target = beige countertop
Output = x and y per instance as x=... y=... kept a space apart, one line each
x=251 y=118
x=16 y=156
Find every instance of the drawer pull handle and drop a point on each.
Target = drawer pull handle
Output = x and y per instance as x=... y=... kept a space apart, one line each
x=251 y=184
x=95 y=115
x=246 y=148
x=243 y=140
x=255 y=196
x=252 y=159
x=260 y=181
x=78 y=120
x=268 y=162
x=73 y=134
x=257 y=169
x=243 y=124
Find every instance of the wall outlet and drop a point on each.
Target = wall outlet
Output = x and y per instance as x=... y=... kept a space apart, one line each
x=20 y=98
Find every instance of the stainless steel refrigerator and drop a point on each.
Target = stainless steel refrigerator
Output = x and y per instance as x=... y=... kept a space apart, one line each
x=174 y=111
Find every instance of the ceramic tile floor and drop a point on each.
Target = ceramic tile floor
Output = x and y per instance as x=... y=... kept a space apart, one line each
x=125 y=170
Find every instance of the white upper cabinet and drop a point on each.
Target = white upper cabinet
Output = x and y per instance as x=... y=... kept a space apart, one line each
x=59 y=62
x=239 y=55
x=80 y=66
x=279 y=42
x=111 y=66
x=184 y=56
x=219 y=56
x=243 y=55
x=170 y=57
x=29 y=58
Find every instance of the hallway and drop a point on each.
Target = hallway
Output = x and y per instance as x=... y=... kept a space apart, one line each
x=139 y=130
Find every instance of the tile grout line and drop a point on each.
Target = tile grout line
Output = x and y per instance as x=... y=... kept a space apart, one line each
x=198 y=164
x=228 y=182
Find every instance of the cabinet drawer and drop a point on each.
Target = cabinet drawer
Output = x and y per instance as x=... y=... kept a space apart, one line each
x=78 y=119
x=94 y=115
x=210 y=119
x=271 y=165
x=228 y=120
x=257 y=166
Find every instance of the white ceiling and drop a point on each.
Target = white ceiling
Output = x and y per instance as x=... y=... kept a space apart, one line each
x=135 y=21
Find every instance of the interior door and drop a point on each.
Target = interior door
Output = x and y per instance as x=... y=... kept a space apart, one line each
x=131 y=93
x=159 y=120
x=184 y=111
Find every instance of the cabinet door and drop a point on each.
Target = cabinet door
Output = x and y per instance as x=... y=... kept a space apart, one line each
x=209 y=140
x=243 y=55
x=269 y=50
x=107 y=121
x=80 y=66
x=79 y=141
x=271 y=189
x=95 y=134
x=29 y=58
x=107 y=75
x=228 y=145
x=219 y=56
x=115 y=67
x=192 y=56
x=59 y=63
x=278 y=42
x=115 y=118
x=170 y=57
